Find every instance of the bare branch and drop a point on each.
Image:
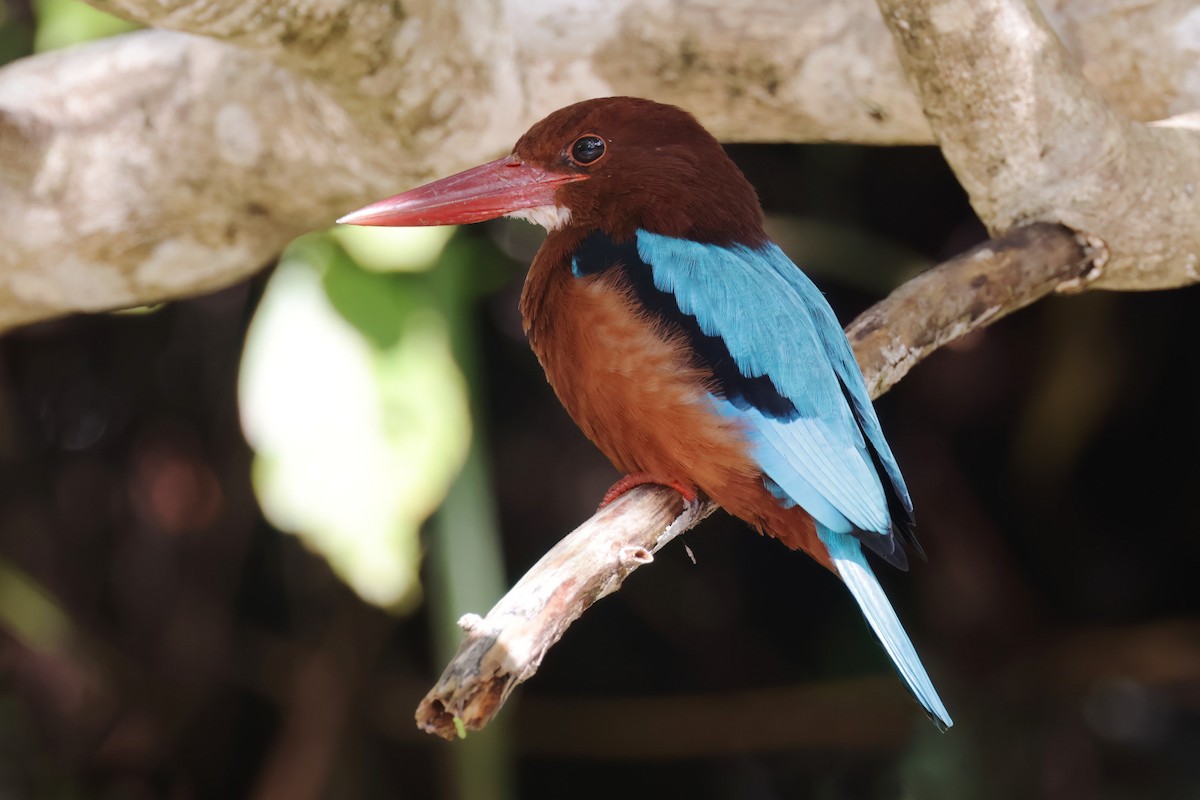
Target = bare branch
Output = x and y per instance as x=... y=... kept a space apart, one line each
x=506 y=647
x=969 y=291
x=158 y=165
x=1030 y=139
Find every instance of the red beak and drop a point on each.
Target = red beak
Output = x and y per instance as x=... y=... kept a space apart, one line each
x=485 y=192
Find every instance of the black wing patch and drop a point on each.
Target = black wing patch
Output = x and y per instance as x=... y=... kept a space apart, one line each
x=901 y=517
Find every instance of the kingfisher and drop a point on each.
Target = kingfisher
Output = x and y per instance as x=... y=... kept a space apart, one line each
x=686 y=345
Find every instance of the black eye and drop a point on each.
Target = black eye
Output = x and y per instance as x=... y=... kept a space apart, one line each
x=587 y=148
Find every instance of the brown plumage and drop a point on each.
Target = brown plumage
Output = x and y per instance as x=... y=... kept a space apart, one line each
x=662 y=172
x=636 y=391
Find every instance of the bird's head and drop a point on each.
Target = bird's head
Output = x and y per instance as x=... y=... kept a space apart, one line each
x=615 y=164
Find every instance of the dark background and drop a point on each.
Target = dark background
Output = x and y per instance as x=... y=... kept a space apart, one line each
x=159 y=639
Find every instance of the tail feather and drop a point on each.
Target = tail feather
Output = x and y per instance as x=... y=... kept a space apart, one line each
x=851 y=565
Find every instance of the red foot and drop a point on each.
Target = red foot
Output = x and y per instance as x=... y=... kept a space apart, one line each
x=640 y=478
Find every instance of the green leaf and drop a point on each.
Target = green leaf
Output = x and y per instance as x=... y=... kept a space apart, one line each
x=357 y=413
x=61 y=23
x=378 y=305
x=393 y=249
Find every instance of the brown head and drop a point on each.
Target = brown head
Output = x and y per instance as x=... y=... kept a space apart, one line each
x=615 y=164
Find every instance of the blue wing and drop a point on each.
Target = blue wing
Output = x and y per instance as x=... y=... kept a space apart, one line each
x=822 y=446
x=784 y=369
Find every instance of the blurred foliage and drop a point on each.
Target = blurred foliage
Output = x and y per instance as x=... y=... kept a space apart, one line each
x=16 y=31
x=29 y=612
x=62 y=23
x=356 y=409
x=392 y=249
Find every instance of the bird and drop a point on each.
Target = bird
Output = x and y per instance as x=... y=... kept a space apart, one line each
x=686 y=345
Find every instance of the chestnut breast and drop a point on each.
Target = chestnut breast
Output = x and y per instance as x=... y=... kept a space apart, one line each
x=629 y=384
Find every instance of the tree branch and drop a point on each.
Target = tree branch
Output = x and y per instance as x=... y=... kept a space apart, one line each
x=156 y=166
x=506 y=647
x=1030 y=139
x=969 y=291
x=807 y=70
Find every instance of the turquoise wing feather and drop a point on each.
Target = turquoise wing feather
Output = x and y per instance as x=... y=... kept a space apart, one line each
x=811 y=426
x=777 y=324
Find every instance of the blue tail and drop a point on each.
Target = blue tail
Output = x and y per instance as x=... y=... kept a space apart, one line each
x=852 y=568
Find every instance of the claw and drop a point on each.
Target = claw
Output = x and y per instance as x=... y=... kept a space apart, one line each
x=622 y=486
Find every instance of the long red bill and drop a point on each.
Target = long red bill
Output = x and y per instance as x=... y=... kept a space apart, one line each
x=485 y=192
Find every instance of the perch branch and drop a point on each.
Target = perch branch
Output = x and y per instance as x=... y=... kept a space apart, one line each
x=506 y=647
x=977 y=288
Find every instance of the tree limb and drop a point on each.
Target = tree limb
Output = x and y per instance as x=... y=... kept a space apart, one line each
x=506 y=647
x=158 y=165
x=1030 y=139
x=807 y=70
x=969 y=291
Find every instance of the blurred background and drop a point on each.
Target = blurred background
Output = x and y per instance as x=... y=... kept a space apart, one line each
x=236 y=531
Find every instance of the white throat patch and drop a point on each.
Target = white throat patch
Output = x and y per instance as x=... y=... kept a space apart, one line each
x=549 y=217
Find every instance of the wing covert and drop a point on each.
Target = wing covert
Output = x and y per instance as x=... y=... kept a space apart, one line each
x=776 y=325
x=781 y=366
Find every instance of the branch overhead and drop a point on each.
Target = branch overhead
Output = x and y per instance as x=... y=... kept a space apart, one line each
x=345 y=38
x=158 y=165
x=1031 y=139
x=191 y=162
